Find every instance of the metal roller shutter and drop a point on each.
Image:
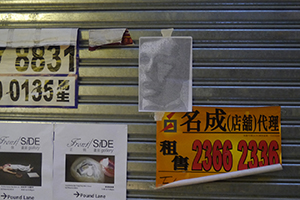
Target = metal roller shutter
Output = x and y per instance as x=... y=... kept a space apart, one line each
x=245 y=53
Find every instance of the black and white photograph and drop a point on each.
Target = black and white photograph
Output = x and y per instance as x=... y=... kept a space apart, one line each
x=165 y=74
x=90 y=168
x=20 y=168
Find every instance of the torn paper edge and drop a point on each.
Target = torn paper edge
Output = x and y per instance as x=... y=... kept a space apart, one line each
x=14 y=38
x=107 y=37
x=227 y=175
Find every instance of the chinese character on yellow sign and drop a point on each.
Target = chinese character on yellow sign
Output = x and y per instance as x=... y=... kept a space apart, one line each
x=212 y=141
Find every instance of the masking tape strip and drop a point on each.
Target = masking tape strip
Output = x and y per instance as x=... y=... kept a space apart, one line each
x=167 y=32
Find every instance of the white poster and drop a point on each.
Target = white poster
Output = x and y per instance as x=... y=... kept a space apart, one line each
x=38 y=67
x=90 y=161
x=26 y=151
x=165 y=74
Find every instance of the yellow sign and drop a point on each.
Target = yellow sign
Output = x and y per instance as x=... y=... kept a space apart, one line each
x=212 y=140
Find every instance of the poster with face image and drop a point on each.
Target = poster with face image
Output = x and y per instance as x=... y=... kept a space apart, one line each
x=90 y=161
x=165 y=74
x=26 y=151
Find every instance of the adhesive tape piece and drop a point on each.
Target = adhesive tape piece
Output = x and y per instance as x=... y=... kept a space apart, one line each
x=158 y=116
x=167 y=32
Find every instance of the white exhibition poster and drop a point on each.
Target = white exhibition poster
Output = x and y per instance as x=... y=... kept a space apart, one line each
x=26 y=151
x=90 y=161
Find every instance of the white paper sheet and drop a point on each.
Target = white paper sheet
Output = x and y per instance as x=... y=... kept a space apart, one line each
x=99 y=37
x=39 y=67
x=14 y=38
x=165 y=74
x=26 y=149
x=33 y=175
x=90 y=161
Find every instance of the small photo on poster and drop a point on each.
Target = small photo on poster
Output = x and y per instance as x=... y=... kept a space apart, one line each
x=90 y=168
x=20 y=168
